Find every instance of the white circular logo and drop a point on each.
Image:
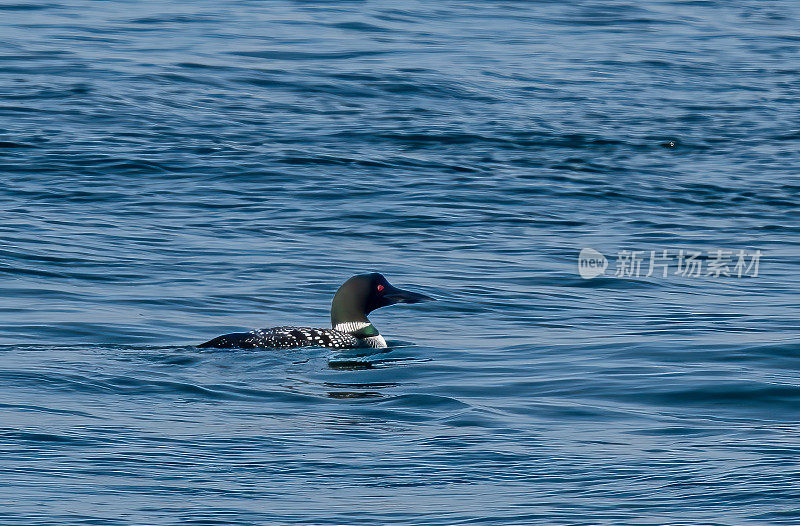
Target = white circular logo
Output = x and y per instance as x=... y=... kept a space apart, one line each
x=591 y=263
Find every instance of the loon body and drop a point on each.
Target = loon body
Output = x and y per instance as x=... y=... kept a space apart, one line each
x=356 y=298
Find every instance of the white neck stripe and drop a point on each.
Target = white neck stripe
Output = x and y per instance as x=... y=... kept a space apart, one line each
x=351 y=326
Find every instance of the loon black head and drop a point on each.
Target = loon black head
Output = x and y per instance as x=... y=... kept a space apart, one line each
x=362 y=294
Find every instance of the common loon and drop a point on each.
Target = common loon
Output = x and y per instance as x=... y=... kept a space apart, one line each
x=356 y=298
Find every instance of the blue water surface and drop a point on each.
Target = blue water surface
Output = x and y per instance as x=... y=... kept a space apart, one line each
x=170 y=171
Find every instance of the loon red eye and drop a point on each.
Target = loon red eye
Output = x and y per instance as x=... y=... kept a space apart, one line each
x=380 y=288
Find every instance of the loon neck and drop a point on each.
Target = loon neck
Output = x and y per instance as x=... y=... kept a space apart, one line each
x=350 y=304
x=359 y=329
x=364 y=331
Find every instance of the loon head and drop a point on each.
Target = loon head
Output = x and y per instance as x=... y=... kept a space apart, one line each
x=362 y=294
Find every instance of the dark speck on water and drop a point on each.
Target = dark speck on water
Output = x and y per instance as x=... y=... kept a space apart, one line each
x=172 y=171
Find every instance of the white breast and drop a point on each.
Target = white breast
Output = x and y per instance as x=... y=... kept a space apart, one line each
x=375 y=341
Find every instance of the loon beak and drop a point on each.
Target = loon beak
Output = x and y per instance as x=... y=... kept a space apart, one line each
x=395 y=295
